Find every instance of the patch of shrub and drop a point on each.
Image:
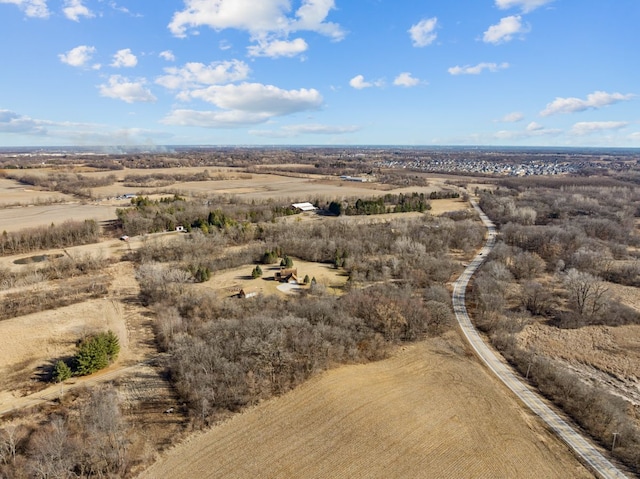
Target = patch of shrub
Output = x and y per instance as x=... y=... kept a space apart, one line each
x=61 y=372
x=257 y=272
x=96 y=352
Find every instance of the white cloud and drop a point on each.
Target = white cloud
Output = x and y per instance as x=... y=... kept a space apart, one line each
x=77 y=133
x=31 y=8
x=256 y=97
x=122 y=88
x=74 y=9
x=308 y=129
x=196 y=75
x=122 y=9
x=124 y=58
x=278 y=48
x=513 y=117
x=358 y=82
x=405 y=79
x=526 y=5
x=121 y=137
x=316 y=129
x=590 y=127
x=635 y=136
x=167 y=55
x=532 y=130
x=595 y=100
x=244 y=104
x=11 y=122
x=255 y=17
x=311 y=16
x=259 y=18
x=477 y=69
x=78 y=56
x=214 y=119
x=505 y=30
x=423 y=32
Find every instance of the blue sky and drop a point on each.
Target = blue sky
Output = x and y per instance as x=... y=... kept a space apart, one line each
x=334 y=72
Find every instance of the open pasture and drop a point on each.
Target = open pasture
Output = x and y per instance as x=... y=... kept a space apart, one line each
x=13 y=193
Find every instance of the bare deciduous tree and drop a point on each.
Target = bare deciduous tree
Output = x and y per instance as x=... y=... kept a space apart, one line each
x=10 y=436
x=51 y=451
x=587 y=294
x=104 y=442
x=536 y=298
x=526 y=265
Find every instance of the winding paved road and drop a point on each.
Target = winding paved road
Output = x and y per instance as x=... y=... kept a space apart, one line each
x=582 y=447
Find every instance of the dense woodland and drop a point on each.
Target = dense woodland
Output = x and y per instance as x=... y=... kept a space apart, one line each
x=227 y=353
x=69 y=233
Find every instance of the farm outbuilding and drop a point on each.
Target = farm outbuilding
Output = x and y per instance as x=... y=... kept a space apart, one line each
x=304 y=207
x=247 y=293
x=353 y=178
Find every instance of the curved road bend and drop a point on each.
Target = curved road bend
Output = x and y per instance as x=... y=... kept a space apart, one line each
x=582 y=447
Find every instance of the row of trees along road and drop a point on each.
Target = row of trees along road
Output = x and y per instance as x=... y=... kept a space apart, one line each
x=561 y=245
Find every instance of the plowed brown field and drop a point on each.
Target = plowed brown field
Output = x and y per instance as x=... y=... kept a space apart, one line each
x=430 y=411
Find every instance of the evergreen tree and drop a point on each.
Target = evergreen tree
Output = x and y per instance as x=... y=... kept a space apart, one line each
x=257 y=272
x=61 y=372
x=96 y=352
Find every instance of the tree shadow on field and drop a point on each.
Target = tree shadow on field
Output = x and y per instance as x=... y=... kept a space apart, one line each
x=20 y=372
x=131 y=299
x=244 y=277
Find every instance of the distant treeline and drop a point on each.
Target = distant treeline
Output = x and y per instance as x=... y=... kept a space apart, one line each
x=384 y=204
x=70 y=183
x=165 y=179
x=74 y=291
x=69 y=233
x=151 y=216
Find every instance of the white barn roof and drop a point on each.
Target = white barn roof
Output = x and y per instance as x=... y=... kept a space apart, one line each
x=304 y=206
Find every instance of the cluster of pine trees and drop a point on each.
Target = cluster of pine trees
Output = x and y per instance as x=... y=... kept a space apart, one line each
x=94 y=353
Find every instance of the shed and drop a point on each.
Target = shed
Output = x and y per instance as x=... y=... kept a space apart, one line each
x=304 y=206
x=247 y=293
